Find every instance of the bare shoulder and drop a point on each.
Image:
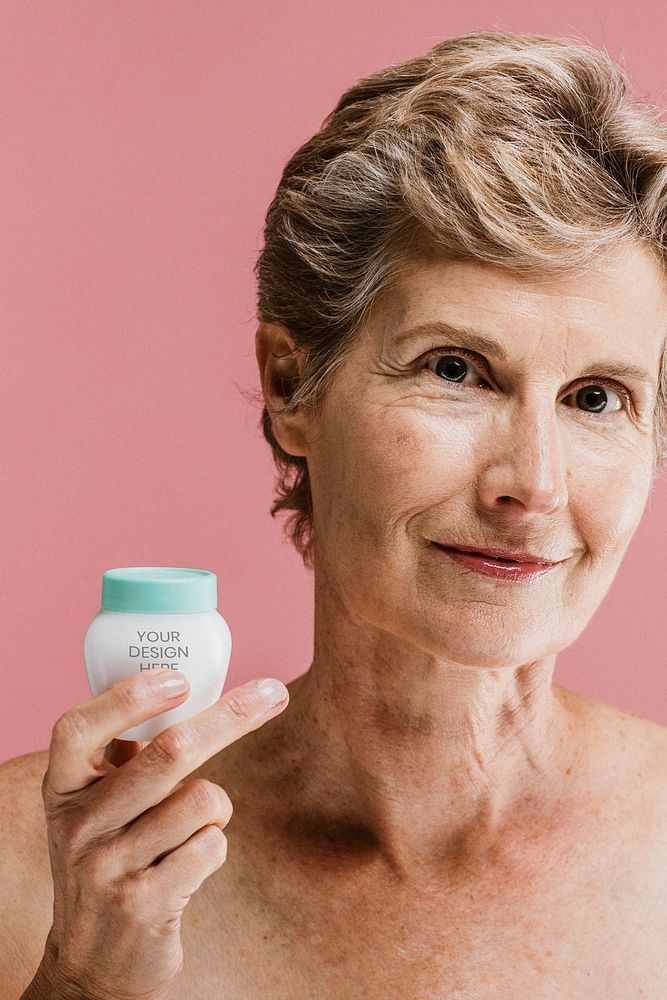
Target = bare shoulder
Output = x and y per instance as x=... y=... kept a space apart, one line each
x=26 y=900
x=647 y=736
x=24 y=826
x=631 y=753
x=637 y=735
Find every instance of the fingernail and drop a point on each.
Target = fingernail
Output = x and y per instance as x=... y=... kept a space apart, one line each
x=274 y=691
x=172 y=687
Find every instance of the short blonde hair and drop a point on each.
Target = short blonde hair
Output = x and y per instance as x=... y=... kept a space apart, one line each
x=518 y=150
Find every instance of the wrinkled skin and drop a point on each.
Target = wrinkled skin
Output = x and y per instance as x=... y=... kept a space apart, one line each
x=428 y=721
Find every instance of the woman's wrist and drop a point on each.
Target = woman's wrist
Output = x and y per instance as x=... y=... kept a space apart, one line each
x=47 y=985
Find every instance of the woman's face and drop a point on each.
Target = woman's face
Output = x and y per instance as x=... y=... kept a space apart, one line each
x=482 y=451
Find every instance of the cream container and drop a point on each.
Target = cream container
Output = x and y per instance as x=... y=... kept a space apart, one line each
x=159 y=618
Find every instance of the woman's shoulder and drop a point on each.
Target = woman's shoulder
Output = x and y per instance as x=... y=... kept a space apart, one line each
x=638 y=741
x=26 y=900
x=23 y=821
x=612 y=720
x=24 y=825
x=628 y=755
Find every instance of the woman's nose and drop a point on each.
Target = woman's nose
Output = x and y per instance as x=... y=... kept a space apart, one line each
x=527 y=464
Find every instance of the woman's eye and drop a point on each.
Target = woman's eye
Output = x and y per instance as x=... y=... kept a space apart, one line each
x=452 y=367
x=592 y=397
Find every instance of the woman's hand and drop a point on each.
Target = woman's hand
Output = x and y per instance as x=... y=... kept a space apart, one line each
x=130 y=843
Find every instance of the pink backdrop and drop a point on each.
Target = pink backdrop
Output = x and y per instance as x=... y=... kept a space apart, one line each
x=141 y=145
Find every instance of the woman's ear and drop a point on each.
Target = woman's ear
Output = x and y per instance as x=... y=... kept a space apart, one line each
x=281 y=364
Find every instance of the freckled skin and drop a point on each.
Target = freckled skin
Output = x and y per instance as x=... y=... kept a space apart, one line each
x=428 y=721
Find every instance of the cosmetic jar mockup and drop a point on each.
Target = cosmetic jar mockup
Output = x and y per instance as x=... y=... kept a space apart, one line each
x=159 y=618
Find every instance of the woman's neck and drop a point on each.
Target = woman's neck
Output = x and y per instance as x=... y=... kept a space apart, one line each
x=436 y=775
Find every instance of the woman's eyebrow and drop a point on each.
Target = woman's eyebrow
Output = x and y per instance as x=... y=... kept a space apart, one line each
x=486 y=345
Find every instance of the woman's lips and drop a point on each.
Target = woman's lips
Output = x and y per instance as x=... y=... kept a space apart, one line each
x=499 y=568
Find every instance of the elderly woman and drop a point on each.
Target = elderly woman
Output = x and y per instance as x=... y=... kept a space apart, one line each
x=461 y=345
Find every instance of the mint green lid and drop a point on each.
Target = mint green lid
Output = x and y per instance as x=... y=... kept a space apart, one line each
x=161 y=589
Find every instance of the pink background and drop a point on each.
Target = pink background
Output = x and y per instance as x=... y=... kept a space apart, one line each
x=141 y=145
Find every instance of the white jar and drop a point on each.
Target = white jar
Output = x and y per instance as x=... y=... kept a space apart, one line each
x=159 y=618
